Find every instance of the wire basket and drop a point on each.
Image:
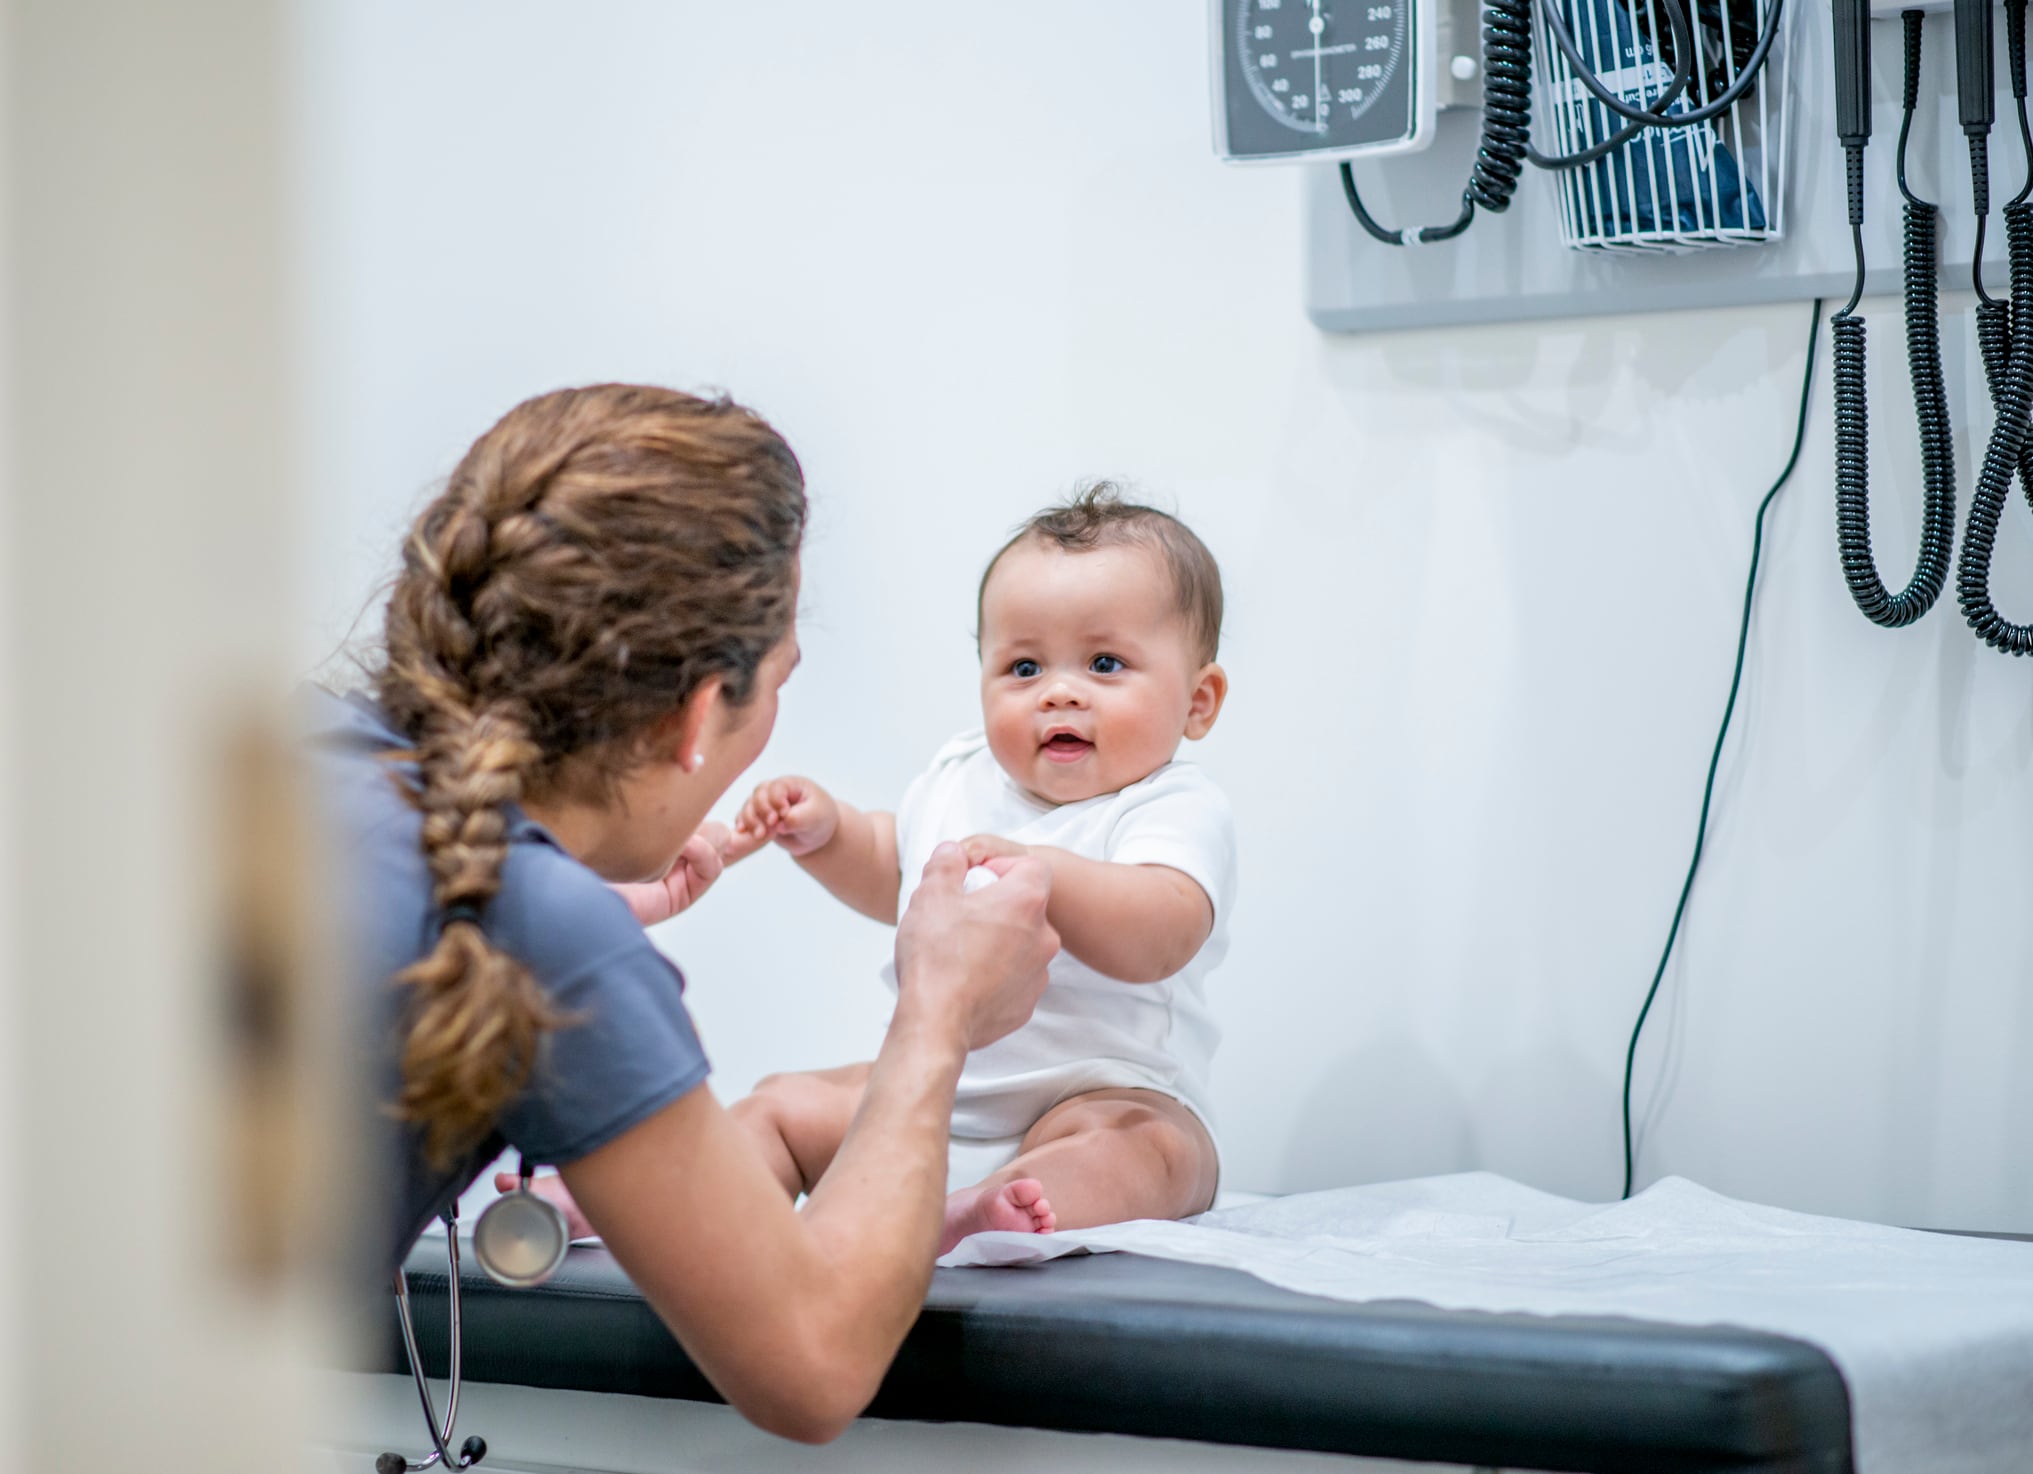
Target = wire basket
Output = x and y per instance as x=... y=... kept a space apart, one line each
x=1718 y=183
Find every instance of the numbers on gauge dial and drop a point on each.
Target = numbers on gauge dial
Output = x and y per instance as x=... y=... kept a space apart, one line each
x=1315 y=65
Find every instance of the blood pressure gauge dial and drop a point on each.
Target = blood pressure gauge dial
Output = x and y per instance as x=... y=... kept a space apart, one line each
x=1299 y=80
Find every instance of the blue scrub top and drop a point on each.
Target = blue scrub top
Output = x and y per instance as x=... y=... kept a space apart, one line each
x=628 y=1048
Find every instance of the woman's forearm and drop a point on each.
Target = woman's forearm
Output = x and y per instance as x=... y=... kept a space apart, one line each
x=876 y=1214
x=792 y=1316
x=859 y=863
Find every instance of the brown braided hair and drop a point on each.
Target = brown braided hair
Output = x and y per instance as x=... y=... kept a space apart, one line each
x=597 y=556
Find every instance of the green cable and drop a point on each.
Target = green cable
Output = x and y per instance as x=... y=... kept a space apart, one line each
x=1729 y=709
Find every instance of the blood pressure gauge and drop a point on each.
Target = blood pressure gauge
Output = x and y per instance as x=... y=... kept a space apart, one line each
x=1300 y=80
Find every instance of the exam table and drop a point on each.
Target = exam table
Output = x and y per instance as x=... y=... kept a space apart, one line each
x=1121 y=1344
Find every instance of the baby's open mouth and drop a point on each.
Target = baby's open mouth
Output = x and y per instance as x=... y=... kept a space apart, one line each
x=1066 y=747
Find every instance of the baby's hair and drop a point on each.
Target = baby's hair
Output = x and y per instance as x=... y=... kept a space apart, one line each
x=1098 y=515
x=596 y=557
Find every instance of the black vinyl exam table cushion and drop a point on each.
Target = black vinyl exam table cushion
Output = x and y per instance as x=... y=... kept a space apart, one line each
x=1118 y=1343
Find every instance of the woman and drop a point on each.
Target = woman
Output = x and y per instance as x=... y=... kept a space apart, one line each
x=583 y=651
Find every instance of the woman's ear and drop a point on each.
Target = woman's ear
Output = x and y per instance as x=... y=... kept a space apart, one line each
x=693 y=724
x=1210 y=689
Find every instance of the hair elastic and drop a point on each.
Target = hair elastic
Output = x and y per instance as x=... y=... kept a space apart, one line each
x=468 y=911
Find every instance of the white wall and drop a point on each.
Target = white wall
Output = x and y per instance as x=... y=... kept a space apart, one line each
x=1484 y=583
x=13 y=1046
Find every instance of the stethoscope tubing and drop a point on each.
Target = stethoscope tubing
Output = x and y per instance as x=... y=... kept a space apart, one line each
x=474 y=1449
x=441 y=1438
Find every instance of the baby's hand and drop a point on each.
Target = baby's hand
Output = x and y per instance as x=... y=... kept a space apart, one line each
x=698 y=866
x=982 y=848
x=794 y=812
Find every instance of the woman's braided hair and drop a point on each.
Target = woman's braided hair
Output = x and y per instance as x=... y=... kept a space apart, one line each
x=597 y=556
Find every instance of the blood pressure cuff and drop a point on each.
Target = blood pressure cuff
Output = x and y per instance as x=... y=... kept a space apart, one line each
x=1117 y=1343
x=1686 y=180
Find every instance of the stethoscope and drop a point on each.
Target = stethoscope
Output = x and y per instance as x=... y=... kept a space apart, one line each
x=520 y=1240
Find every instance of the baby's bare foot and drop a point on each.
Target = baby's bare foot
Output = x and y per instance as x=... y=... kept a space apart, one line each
x=1017 y=1207
x=553 y=1187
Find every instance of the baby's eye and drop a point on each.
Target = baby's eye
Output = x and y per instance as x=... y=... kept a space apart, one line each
x=1105 y=665
x=1023 y=670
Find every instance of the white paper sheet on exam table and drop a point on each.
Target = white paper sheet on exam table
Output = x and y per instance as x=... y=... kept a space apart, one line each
x=1933 y=1333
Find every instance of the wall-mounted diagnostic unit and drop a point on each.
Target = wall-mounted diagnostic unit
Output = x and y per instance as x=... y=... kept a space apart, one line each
x=1669 y=123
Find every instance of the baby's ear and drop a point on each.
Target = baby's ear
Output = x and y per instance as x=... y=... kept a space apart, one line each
x=1210 y=689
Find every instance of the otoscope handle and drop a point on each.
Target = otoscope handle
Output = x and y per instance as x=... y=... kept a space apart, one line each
x=1852 y=70
x=1911 y=21
x=1975 y=69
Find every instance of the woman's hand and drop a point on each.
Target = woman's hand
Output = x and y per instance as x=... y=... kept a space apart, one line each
x=794 y=812
x=699 y=865
x=982 y=955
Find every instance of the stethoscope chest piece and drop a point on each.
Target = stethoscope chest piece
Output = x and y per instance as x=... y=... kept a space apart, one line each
x=520 y=1239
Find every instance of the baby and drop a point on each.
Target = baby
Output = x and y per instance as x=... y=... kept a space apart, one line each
x=1098 y=628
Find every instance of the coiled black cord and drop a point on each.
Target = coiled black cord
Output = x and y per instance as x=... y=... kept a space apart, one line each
x=1506 y=116
x=1506 y=103
x=1996 y=325
x=2003 y=336
x=1506 y=123
x=1997 y=328
x=1930 y=403
x=2001 y=459
x=2015 y=50
x=1736 y=681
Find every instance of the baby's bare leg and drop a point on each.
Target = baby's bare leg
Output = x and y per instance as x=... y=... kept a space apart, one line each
x=797 y=1121
x=1103 y=1157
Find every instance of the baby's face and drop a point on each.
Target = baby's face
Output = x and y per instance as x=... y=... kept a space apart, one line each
x=1088 y=671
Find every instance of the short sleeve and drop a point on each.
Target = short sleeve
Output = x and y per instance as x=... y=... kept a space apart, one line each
x=627 y=1050
x=626 y=1046
x=1179 y=818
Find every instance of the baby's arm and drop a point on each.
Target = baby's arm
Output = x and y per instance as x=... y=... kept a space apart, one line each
x=1133 y=923
x=849 y=851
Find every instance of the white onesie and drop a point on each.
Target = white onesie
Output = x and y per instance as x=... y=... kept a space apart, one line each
x=1089 y=1032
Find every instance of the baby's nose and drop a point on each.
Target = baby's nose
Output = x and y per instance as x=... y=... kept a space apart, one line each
x=1059 y=693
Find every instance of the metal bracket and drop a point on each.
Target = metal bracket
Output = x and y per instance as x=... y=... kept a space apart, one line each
x=1457 y=71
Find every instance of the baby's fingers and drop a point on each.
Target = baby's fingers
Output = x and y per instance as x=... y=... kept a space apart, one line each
x=798 y=814
x=981 y=848
x=756 y=815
